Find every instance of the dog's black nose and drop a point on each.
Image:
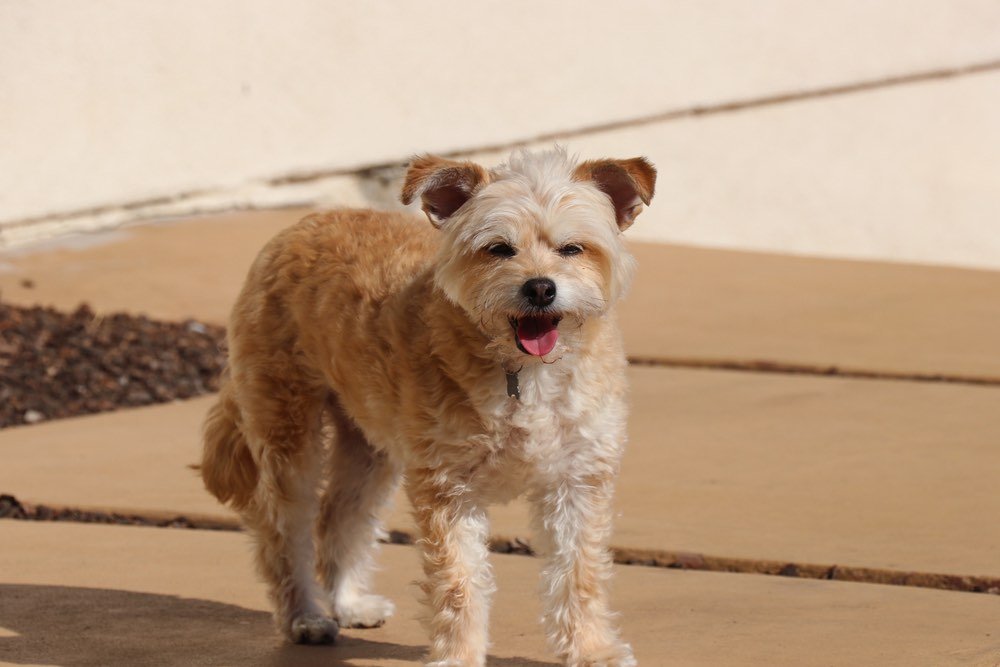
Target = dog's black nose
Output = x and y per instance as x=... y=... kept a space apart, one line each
x=540 y=292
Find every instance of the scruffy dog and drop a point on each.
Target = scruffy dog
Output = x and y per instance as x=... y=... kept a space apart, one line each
x=478 y=358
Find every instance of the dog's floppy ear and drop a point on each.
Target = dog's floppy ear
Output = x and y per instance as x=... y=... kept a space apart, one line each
x=442 y=185
x=629 y=184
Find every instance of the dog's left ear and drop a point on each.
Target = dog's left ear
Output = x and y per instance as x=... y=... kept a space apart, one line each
x=629 y=184
x=442 y=185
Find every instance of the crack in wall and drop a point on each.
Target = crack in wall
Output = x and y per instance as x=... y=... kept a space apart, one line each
x=672 y=115
x=373 y=179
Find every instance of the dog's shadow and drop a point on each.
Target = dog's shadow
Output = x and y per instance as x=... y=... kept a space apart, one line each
x=63 y=625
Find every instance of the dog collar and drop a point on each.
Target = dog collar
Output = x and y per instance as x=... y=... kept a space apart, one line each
x=513 y=386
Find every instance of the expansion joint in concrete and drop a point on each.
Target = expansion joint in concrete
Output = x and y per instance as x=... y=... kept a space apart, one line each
x=13 y=509
x=823 y=370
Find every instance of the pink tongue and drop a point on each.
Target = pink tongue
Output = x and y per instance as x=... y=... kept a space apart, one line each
x=537 y=335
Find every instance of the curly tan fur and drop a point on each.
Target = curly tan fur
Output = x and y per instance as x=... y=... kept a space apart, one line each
x=227 y=466
x=395 y=339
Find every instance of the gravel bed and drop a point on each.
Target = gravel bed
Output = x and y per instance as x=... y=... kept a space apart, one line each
x=55 y=364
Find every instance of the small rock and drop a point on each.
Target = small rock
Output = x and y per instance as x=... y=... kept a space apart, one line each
x=33 y=417
x=789 y=570
x=10 y=508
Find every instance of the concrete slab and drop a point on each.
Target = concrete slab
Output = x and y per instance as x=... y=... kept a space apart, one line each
x=171 y=269
x=691 y=303
x=893 y=475
x=134 y=461
x=687 y=302
x=886 y=475
x=144 y=596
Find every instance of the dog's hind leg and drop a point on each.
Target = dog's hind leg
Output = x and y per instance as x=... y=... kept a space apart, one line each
x=283 y=422
x=360 y=481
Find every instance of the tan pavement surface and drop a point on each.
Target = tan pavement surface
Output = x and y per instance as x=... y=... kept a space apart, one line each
x=686 y=302
x=135 y=461
x=876 y=474
x=74 y=594
x=886 y=475
x=897 y=318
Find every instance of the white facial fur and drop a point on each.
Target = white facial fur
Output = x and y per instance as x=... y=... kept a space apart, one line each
x=534 y=205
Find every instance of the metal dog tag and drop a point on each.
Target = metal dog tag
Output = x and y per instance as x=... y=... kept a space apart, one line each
x=513 y=387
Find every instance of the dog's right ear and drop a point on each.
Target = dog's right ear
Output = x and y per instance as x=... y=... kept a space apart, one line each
x=442 y=185
x=628 y=183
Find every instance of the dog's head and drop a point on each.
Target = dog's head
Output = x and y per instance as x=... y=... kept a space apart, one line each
x=532 y=249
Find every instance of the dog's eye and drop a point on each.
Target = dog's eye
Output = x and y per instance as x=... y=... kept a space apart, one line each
x=570 y=249
x=501 y=250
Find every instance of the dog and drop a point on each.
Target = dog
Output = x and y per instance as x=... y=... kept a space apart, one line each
x=475 y=359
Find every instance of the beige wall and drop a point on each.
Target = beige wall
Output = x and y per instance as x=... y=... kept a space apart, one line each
x=112 y=110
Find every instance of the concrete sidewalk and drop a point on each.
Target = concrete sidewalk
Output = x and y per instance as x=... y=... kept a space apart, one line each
x=109 y=595
x=686 y=303
x=893 y=478
x=887 y=476
x=812 y=417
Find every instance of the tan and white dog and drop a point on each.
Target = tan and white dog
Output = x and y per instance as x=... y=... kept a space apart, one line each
x=478 y=358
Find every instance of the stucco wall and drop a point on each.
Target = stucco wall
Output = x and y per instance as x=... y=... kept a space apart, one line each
x=114 y=110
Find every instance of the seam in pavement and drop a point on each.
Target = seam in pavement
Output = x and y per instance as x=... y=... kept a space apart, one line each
x=788 y=368
x=374 y=170
x=12 y=509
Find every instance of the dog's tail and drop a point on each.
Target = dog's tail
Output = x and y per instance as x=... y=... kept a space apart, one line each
x=227 y=465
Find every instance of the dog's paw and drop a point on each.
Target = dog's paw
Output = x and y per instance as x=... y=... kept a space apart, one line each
x=363 y=611
x=450 y=663
x=619 y=655
x=313 y=629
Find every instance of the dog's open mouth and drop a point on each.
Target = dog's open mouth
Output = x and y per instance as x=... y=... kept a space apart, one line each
x=536 y=334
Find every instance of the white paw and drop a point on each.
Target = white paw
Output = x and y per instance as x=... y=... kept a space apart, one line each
x=447 y=663
x=363 y=611
x=616 y=656
x=625 y=657
x=313 y=629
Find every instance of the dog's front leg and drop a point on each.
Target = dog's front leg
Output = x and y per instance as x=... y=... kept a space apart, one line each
x=459 y=579
x=573 y=524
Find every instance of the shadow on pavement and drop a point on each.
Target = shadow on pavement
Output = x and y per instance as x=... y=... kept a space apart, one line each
x=63 y=625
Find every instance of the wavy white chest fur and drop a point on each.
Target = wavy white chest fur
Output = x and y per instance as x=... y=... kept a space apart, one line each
x=559 y=427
